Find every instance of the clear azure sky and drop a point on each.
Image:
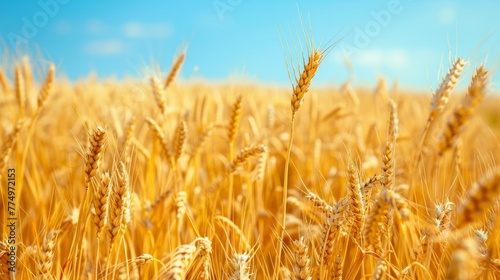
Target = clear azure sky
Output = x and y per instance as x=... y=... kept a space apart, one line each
x=408 y=41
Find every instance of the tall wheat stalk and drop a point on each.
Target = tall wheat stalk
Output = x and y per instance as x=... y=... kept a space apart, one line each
x=299 y=90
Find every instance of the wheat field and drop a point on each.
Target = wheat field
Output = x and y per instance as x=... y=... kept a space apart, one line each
x=168 y=179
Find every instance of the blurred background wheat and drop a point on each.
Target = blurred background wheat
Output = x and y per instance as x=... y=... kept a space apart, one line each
x=180 y=169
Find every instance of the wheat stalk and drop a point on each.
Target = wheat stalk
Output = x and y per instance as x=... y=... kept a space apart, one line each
x=301 y=87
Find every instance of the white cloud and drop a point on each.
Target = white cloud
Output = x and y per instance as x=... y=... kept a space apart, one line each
x=378 y=58
x=447 y=15
x=63 y=27
x=104 y=47
x=94 y=26
x=147 y=30
x=393 y=60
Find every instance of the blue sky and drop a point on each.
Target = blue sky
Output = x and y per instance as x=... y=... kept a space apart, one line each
x=405 y=40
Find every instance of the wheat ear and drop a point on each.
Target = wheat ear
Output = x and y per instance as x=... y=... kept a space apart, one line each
x=20 y=91
x=234 y=121
x=479 y=198
x=388 y=166
x=304 y=81
x=9 y=145
x=260 y=168
x=4 y=259
x=367 y=188
x=204 y=248
x=119 y=205
x=4 y=83
x=180 y=140
x=319 y=203
x=97 y=142
x=244 y=155
x=176 y=67
x=463 y=111
x=240 y=267
x=127 y=269
x=337 y=269
x=356 y=206
x=101 y=194
x=44 y=92
x=46 y=254
x=393 y=121
x=301 y=261
x=126 y=142
x=181 y=204
x=299 y=90
x=155 y=127
x=233 y=127
x=334 y=222
x=464 y=261
x=27 y=71
x=440 y=97
x=181 y=260
x=443 y=215
x=376 y=221
x=380 y=270
x=202 y=139
x=159 y=93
